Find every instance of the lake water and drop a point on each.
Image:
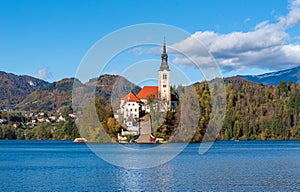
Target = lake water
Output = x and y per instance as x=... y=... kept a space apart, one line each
x=227 y=166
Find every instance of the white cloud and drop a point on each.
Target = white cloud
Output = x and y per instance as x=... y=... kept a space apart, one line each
x=293 y=17
x=138 y=50
x=247 y=20
x=43 y=74
x=267 y=46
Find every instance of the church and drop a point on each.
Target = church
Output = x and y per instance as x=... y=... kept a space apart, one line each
x=133 y=107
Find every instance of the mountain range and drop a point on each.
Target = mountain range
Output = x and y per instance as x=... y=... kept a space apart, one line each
x=26 y=93
x=15 y=88
x=274 y=78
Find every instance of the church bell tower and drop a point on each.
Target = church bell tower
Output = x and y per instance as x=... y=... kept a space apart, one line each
x=164 y=88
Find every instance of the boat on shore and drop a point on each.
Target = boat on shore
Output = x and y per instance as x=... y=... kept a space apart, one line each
x=80 y=140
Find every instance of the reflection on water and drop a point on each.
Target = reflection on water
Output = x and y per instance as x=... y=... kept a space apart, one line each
x=227 y=166
x=158 y=179
x=137 y=156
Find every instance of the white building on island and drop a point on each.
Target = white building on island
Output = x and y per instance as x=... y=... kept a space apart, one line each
x=130 y=106
x=135 y=106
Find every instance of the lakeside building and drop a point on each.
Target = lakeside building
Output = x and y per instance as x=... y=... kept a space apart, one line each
x=133 y=107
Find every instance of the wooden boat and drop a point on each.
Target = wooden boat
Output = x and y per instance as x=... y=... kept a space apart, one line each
x=152 y=138
x=80 y=140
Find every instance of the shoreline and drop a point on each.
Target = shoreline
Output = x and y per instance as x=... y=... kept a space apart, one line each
x=70 y=140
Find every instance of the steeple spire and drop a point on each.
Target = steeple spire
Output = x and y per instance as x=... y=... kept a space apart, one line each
x=164 y=88
x=164 y=48
x=164 y=58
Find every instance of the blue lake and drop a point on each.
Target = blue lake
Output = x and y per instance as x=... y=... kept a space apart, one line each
x=227 y=166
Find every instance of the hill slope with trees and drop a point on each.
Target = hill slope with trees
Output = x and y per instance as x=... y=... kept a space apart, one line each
x=254 y=111
x=57 y=95
x=15 y=88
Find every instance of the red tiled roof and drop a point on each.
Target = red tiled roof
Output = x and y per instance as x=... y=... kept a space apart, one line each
x=130 y=97
x=147 y=91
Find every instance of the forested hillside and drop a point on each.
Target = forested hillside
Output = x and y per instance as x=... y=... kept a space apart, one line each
x=14 y=88
x=57 y=95
x=255 y=111
x=51 y=97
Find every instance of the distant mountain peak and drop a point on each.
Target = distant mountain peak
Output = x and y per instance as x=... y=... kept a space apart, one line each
x=15 y=88
x=273 y=78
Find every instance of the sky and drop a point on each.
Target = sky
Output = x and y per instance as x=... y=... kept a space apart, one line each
x=48 y=39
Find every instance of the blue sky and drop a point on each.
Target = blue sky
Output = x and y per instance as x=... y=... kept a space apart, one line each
x=49 y=38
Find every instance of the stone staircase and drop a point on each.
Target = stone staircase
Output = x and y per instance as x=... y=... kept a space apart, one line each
x=145 y=130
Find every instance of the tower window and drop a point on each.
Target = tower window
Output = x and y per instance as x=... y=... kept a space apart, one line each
x=164 y=76
x=164 y=86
